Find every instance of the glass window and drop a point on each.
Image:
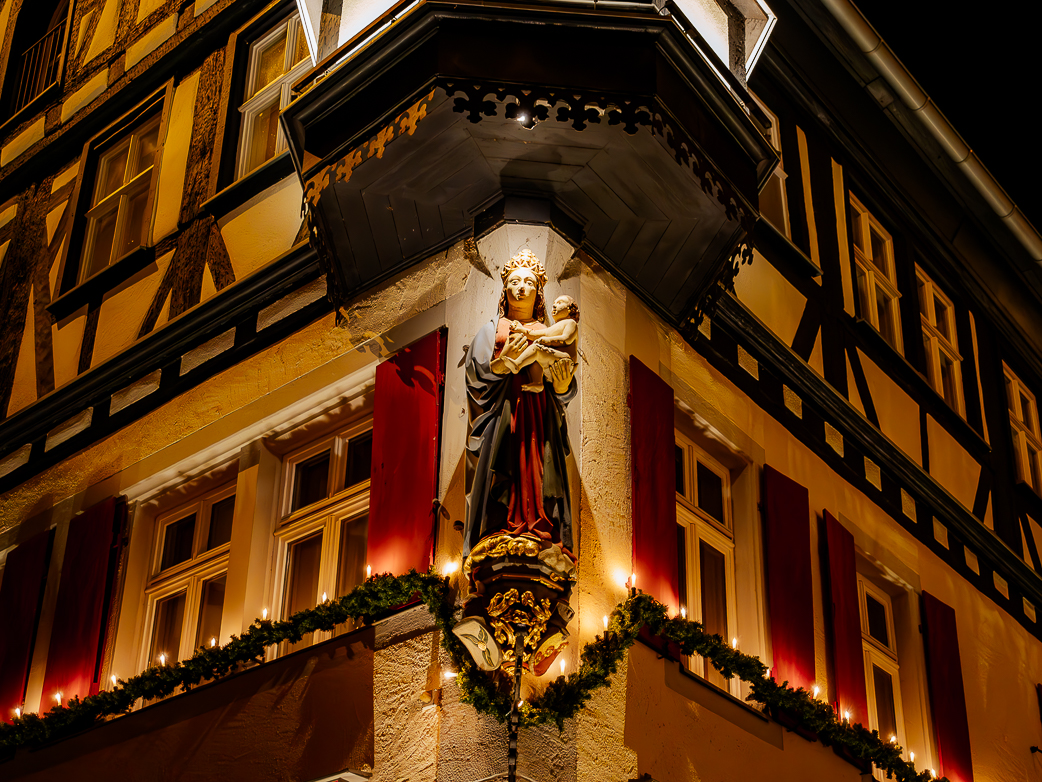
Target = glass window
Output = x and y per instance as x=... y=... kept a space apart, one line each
x=322 y=538
x=1023 y=420
x=876 y=275
x=773 y=204
x=940 y=346
x=118 y=217
x=882 y=673
x=185 y=595
x=706 y=551
x=276 y=61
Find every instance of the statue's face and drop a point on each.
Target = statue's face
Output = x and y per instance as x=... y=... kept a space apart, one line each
x=521 y=285
x=561 y=305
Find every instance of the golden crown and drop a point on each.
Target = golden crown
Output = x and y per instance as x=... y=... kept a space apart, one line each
x=525 y=259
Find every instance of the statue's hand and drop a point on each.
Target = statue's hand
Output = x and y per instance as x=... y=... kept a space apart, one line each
x=561 y=372
x=514 y=346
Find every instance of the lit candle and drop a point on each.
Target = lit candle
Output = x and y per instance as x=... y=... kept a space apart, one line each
x=817 y=690
x=162 y=658
x=112 y=678
x=449 y=569
x=368 y=571
x=911 y=757
x=933 y=774
x=520 y=703
x=450 y=674
x=213 y=642
x=58 y=697
x=734 y=643
x=633 y=580
x=893 y=739
x=324 y=598
x=846 y=716
x=264 y=614
x=562 y=666
x=683 y=612
x=605 y=622
x=17 y=711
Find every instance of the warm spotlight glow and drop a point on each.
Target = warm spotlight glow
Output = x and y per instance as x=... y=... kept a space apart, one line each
x=605 y=622
x=621 y=579
x=449 y=569
x=264 y=614
x=522 y=118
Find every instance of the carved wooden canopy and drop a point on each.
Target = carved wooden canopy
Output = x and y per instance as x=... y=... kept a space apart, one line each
x=610 y=126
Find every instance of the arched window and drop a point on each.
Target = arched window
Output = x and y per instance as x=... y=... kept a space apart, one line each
x=37 y=49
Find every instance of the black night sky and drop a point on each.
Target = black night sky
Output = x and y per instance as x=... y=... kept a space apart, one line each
x=980 y=64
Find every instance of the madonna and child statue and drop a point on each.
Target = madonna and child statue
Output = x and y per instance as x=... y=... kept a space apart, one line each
x=518 y=546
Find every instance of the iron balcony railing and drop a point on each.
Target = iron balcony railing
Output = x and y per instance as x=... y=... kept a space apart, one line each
x=40 y=66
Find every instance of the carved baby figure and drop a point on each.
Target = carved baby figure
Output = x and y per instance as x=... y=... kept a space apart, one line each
x=543 y=352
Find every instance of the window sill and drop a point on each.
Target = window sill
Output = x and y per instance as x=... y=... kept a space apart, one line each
x=94 y=288
x=919 y=389
x=767 y=236
x=245 y=188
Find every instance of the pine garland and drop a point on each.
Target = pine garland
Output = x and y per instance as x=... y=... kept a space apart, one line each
x=562 y=699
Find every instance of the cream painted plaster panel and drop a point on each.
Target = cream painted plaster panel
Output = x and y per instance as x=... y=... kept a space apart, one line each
x=53 y=217
x=105 y=32
x=66 y=339
x=175 y=157
x=898 y=413
x=951 y=465
x=52 y=275
x=86 y=23
x=65 y=177
x=816 y=362
x=209 y=288
x=23 y=391
x=123 y=311
x=8 y=215
x=3 y=252
x=201 y=6
x=146 y=7
x=808 y=200
x=770 y=297
x=852 y=392
x=150 y=41
x=85 y=94
x=263 y=228
x=22 y=142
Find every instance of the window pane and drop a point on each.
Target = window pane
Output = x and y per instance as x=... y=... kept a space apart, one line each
x=714 y=601
x=177 y=542
x=270 y=64
x=111 y=171
x=878 y=250
x=166 y=633
x=772 y=203
x=855 y=228
x=221 y=514
x=1027 y=412
x=211 y=607
x=311 y=482
x=924 y=306
x=710 y=492
x=680 y=470
x=134 y=228
x=100 y=250
x=147 y=141
x=359 y=459
x=1036 y=466
x=1010 y=400
x=941 y=317
x=864 y=293
x=949 y=386
x=886 y=717
x=302 y=583
x=884 y=305
x=877 y=627
x=264 y=134
x=351 y=569
x=302 y=46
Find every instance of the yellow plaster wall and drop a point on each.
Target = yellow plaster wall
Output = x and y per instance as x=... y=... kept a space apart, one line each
x=23 y=389
x=951 y=465
x=174 y=159
x=852 y=392
x=898 y=413
x=5 y=16
x=770 y=297
x=105 y=32
x=263 y=228
x=123 y=311
x=66 y=340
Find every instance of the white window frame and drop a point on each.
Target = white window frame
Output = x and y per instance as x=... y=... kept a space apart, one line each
x=187 y=576
x=880 y=655
x=778 y=176
x=936 y=343
x=1025 y=430
x=700 y=526
x=344 y=503
x=865 y=265
x=252 y=105
x=119 y=199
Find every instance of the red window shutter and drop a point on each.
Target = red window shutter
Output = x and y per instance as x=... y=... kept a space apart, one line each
x=406 y=418
x=20 y=594
x=653 y=446
x=78 y=632
x=841 y=604
x=790 y=598
x=947 y=696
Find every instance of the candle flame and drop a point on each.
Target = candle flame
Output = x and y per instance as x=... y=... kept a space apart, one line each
x=450 y=674
x=112 y=678
x=605 y=622
x=58 y=697
x=449 y=569
x=17 y=711
x=817 y=690
x=162 y=658
x=213 y=642
x=846 y=716
x=734 y=643
x=264 y=613
x=368 y=571
x=683 y=612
